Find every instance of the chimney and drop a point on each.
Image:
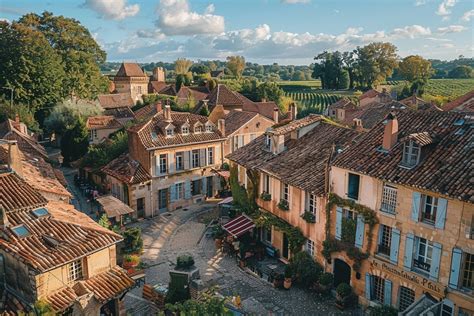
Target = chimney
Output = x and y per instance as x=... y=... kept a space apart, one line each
x=3 y=218
x=17 y=118
x=293 y=111
x=263 y=100
x=167 y=113
x=275 y=115
x=221 y=126
x=158 y=106
x=390 y=133
x=357 y=124
x=14 y=158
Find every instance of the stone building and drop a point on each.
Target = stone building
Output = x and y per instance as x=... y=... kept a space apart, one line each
x=406 y=186
x=100 y=127
x=130 y=79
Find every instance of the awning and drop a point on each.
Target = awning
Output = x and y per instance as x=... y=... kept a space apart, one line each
x=239 y=225
x=113 y=207
x=223 y=173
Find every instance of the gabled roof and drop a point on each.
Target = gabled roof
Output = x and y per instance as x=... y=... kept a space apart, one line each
x=217 y=73
x=102 y=122
x=373 y=113
x=264 y=108
x=117 y=100
x=369 y=94
x=157 y=86
x=196 y=93
x=236 y=119
x=464 y=103
x=126 y=169
x=152 y=132
x=145 y=112
x=305 y=160
x=343 y=103
x=119 y=113
x=10 y=130
x=296 y=124
x=446 y=166
x=130 y=70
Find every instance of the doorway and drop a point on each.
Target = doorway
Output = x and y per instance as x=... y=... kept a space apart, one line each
x=141 y=207
x=163 y=200
x=342 y=272
x=285 y=247
x=209 y=189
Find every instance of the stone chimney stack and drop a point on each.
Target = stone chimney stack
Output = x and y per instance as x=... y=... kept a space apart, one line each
x=357 y=124
x=390 y=133
x=167 y=113
x=159 y=107
x=293 y=111
x=275 y=115
x=14 y=158
x=221 y=126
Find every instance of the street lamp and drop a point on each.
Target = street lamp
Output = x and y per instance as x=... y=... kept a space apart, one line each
x=11 y=95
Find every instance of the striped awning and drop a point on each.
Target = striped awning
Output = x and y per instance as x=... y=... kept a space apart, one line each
x=239 y=225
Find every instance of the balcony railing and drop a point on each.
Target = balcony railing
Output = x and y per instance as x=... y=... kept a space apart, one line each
x=384 y=250
x=418 y=264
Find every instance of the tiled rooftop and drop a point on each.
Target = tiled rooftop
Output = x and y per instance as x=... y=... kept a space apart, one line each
x=236 y=119
x=130 y=70
x=102 y=122
x=126 y=169
x=464 y=103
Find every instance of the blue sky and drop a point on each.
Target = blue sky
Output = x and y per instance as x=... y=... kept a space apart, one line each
x=264 y=31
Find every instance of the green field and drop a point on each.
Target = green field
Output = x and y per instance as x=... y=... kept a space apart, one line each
x=300 y=85
x=316 y=101
x=448 y=89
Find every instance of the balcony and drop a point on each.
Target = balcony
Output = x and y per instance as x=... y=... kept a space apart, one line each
x=422 y=266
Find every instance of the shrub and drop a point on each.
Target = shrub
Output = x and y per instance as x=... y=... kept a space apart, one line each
x=344 y=290
x=305 y=270
x=266 y=196
x=326 y=279
x=384 y=310
x=283 y=205
x=184 y=261
x=132 y=240
x=133 y=259
x=309 y=217
x=218 y=232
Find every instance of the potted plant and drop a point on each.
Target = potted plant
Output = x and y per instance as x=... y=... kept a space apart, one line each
x=283 y=205
x=344 y=296
x=309 y=217
x=278 y=281
x=325 y=282
x=288 y=277
x=184 y=261
x=266 y=196
x=130 y=262
x=218 y=233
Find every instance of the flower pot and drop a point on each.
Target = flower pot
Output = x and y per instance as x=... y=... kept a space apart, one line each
x=218 y=243
x=277 y=283
x=287 y=283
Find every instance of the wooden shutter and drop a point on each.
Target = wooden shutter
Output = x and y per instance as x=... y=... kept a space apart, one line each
x=338 y=223
x=387 y=295
x=395 y=244
x=368 y=287
x=456 y=260
x=171 y=163
x=415 y=207
x=187 y=159
x=359 y=240
x=202 y=157
x=173 y=192
x=441 y=213
x=187 y=189
x=435 y=261
x=204 y=186
x=154 y=168
x=408 y=258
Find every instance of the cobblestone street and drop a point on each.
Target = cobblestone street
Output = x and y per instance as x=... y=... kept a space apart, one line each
x=167 y=237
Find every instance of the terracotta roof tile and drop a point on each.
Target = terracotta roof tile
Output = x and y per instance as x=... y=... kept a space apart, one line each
x=119 y=113
x=343 y=103
x=130 y=70
x=369 y=94
x=196 y=93
x=102 y=122
x=108 y=284
x=236 y=119
x=464 y=103
x=145 y=112
x=117 y=100
x=9 y=131
x=62 y=299
x=297 y=124
x=126 y=169
x=446 y=166
x=373 y=113
x=156 y=86
x=17 y=195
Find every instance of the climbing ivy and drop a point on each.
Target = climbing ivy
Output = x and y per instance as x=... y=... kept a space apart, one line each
x=331 y=245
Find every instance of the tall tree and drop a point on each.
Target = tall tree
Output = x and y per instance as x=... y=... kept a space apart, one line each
x=30 y=66
x=375 y=62
x=182 y=65
x=75 y=142
x=236 y=65
x=329 y=68
x=462 y=71
x=414 y=68
x=79 y=52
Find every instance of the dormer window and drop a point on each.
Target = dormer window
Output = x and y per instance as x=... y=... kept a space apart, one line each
x=169 y=132
x=185 y=130
x=209 y=128
x=411 y=154
x=198 y=129
x=268 y=142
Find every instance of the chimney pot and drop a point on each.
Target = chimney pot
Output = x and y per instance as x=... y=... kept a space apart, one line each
x=159 y=107
x=221 y=126
x=293 y=111
x=390 y=134
x=275 y=115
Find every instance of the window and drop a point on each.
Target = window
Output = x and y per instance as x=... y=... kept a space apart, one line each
x=389 y=199
x=407 y=297
x=198 y=129
x=40 y=212
x=210 y=156
x=266 y=183
x=195 y=158
x=179 y=161
x=411 y=154
x=21 y=231
x=468 y=272
x=252 y=137
x=196 y=187
x=378 y=289
x=285 y=194
x=163 y=163
x=353 y=186
x=424 y=255
x=266 y=235
x=169 y=132
x=429 y=207
x=235 y=142
x=268 y=142
x=309 y=247
x=311 y=203
x=185 y=130
x=139 y=89
x=75 y=270
x=385 y=240
x=179 y=191
x=348 y=214
x=209 y=128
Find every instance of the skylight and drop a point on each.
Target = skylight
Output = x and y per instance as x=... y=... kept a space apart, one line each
x=21 y=231
x=40 y=212
x=154 y=136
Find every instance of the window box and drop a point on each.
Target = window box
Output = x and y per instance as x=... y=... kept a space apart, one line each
x=283 y=205
x=266 y=196
x=309 y=217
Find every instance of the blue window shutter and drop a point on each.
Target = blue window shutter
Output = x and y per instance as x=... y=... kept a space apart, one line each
x=202 y=157
x=436 y=258
x=415 y=208
x=359 y=240
x=368 y=288
x=395 y=244
x=455 y=268
x=187 y=189
x=187 y=159
x=154 y=168
x=338 y=223
x=387 y=295
x=204 y=186
x=408 y=258
x=173 y=192
x=441 y=213
x=170 y=162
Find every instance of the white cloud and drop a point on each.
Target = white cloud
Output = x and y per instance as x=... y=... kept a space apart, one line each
x=295 y=1
x=444 y=8
x=437 y=39
x=451 y=29
x=420 y=2
x=467 y=15
x=411 y=31
x=5 y=20
x=446 y=45
x=176 y=18
x=113 y=9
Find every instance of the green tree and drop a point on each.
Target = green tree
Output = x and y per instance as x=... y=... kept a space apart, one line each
x=461 y=72
x=80 y=54
x=74 y=142
x=329 y=68
x=270 y=91
x=415 y=67
x=298 y=76
x=183 y=79
x=236 y=65
x=375 y=62
x=200 y=69
x=104 y=221
x=182 y=66
x=24 y=112
x=30 y=66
